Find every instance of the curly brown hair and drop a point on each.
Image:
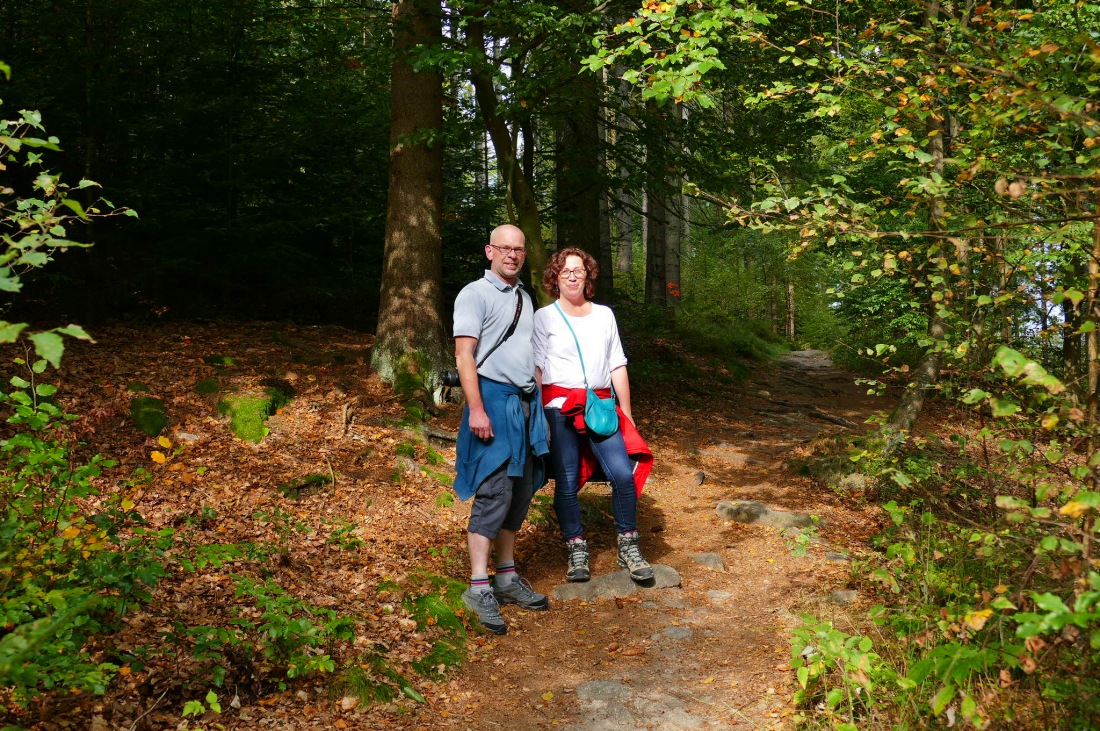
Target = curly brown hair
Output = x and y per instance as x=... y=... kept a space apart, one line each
x=557 y=262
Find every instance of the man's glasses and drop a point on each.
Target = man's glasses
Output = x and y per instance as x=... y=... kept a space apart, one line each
x=508 y=250
x=579 y=273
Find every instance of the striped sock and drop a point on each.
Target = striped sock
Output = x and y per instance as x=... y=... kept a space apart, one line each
x=479 y=583
x=506 y=573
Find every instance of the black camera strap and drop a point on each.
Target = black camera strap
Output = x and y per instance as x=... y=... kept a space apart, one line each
x=511 y=328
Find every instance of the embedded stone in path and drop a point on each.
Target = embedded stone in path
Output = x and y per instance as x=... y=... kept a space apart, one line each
x=603 y=690
x=843 y=596
x=673 y=633
x=617 y=584
x=710 y=560
x=757 y=513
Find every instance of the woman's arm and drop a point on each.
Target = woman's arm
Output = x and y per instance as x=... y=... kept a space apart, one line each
x=621 y=382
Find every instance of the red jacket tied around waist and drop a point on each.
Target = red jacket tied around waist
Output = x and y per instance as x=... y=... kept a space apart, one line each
x=573 y=408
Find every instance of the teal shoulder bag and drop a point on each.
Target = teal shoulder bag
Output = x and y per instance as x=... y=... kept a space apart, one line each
x=600 y=416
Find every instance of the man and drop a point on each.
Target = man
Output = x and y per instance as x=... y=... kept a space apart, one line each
x=503 y=430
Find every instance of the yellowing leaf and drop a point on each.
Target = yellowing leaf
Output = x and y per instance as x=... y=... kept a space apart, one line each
x=1074 y=509
x=158 y=457
x=164 y=442
x=70 y=533
x=127 y=504
x=548 y=696
x=709 y=680
x=976 y=620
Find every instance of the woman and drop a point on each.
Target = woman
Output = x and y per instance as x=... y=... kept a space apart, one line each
x=570 y=323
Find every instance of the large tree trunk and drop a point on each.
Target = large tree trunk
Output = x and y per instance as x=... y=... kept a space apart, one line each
x=656 y=243
x=624 y=200
x=577 y=172
x=410 y=316
x=521 y=194
x=677 y=215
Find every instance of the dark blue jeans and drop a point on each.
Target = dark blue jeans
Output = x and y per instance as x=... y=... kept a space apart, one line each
x=565 y=454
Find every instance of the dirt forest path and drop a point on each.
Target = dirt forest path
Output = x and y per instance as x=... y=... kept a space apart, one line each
x=713 y=652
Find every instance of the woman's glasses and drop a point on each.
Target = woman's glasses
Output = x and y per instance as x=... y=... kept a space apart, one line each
x=579 y=273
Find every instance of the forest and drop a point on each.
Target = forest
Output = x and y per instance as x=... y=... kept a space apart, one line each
x=233 y=234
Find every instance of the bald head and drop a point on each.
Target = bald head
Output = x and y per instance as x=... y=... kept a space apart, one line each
x=507 y=235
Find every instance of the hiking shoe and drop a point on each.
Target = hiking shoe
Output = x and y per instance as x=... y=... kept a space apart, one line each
x=578 y=561
x=630 y=557
x=485 y=606
x=520 y=592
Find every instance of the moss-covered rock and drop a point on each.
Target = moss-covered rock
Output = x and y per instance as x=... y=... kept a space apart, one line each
x=301 y=486
x=148 y=415
x=208 y=387
x=248 y=410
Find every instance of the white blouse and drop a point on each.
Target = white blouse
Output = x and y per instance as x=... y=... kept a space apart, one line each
x=556 y=351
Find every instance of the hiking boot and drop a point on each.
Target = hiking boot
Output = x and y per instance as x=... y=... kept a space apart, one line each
x=520 y=592
x=630 y=557
x=578 y=561
x=485 y=606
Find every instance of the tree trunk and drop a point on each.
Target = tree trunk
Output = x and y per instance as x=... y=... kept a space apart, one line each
x=1092 y=338
x=927 y=372
x=656 y=241
x=624 y=200
x=410 y=315
x=790 y=310
x=577 y=173
x=520 y=192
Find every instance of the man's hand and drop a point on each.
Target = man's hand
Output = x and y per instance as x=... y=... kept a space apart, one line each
x=480 y=426
x=467 y=374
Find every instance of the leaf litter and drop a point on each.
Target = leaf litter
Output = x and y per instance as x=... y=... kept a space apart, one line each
x=367 y=543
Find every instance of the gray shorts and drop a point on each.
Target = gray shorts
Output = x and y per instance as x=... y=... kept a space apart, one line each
x=501 y=502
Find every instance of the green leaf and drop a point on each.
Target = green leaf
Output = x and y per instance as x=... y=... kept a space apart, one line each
x=75 y=331
x=9 y=331
x=939 y=701
x=74 y=206
x=50 y=346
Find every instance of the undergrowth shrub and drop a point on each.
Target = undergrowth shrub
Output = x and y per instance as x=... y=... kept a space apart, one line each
x=73 y=561
x=987 y=581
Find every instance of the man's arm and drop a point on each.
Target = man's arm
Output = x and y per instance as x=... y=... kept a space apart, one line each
x=467 y=375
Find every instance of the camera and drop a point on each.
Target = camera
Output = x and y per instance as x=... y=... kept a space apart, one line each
x=450 y=379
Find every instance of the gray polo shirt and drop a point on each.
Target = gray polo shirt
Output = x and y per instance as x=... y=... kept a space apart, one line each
x=484 y=310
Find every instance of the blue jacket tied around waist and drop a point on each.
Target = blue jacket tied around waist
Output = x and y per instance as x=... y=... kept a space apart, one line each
x=512 y=440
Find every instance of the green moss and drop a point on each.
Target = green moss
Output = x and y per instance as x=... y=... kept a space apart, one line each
x=248 y=410
x=434 y=457
x=441 y=477
x=444 y=499
x=207 y=387
x=247 y=413
x=148 y=415
x=137 y=386
x=219 y=360
x=280 y=391
x=406 y=449
x=445 y=654
x=297 y=487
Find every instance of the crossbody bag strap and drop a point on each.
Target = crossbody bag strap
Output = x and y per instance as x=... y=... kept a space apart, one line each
x=584 y=371
x=511 y=328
